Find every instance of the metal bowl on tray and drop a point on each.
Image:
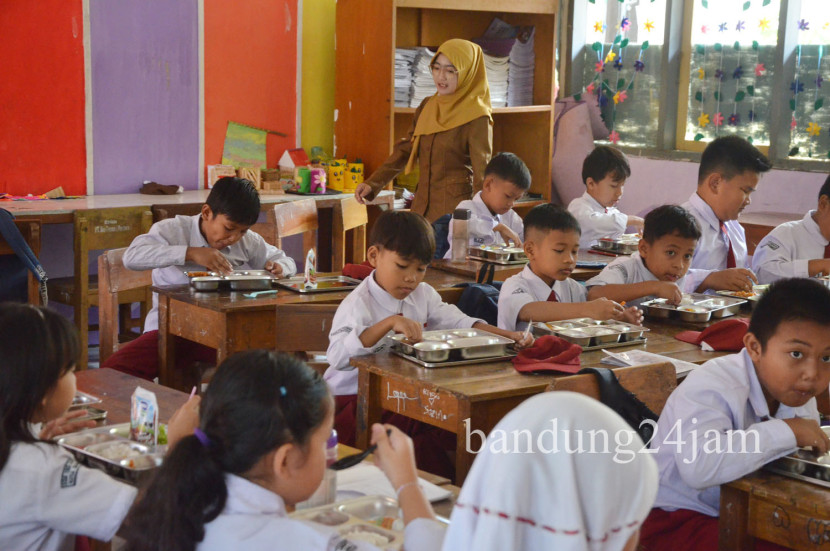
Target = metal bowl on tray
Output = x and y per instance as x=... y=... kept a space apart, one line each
x=602 y=335
x=432 y=351
x=576 y=336
x=694 y=313
x=480 y=347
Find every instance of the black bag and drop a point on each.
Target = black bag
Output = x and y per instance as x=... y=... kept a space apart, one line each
x=13 y=269
x=481 y=299
x=624 y=402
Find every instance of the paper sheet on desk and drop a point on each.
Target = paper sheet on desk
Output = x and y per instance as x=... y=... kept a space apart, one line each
x=641 y=357
x=366 y=479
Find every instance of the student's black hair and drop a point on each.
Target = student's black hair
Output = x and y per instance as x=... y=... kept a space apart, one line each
x=508 y=166
x=257 y=401
x=37 y=347
x=795 y=299
x=605 y=161
x=825 y=188
x=236 y=198
x=731 y=156
x=549 y=217
x=670 y=220
x=406 y=233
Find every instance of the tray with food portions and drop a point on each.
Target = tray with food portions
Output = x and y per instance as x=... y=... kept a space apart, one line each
x=804 y=464
x=373 y=519
x=451 y=347
x=593 y=334
x=625 y=244
x=237 y=280
x=325 y=284
x=694 y=307
x=498 y=254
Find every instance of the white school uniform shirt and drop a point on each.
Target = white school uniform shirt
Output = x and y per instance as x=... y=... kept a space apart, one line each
x=255 y=519
x=480 y=226
x=367 y=305
x=48 y=497
x=526 y=287
x=570 y=492
x=712 y=247
x=719 y=397
x=630 y=269
x=786 y=250
x=596 y=221
x=163 y=249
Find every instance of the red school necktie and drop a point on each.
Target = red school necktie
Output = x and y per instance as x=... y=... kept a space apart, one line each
x=730 y=255
x=552 y=295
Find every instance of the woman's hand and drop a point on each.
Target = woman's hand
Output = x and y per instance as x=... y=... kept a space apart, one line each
x=65 y=424
x=361 y=191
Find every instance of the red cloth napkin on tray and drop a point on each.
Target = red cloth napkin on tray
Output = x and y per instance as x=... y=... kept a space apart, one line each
x=358 y=271
x=549 y=353
x=727 y=335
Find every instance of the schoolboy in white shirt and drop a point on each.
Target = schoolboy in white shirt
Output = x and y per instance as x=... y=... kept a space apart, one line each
x=604 y=172
x=797 y=249
x=493 y=219
x=218 y=240
x=393 y=299
x=730 y=169
x=543 y=290
x=736 y=413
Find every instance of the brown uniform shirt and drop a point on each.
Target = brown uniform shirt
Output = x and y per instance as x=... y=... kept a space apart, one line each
x=451 y=165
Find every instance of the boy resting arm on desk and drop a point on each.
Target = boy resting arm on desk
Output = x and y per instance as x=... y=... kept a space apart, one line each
x=543 y=290
x=736 y=413
x=604 y=172
x=493 y=219
x=217 y=239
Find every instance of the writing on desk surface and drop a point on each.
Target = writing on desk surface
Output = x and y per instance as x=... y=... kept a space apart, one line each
x=399 y=396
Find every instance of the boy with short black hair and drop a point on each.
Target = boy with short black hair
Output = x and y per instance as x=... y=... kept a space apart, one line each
x=797 y=249
x=730 y=168
x=493 y=219
x=604 y=172
x=734 y=414
x=218 y=240
x=543 y=290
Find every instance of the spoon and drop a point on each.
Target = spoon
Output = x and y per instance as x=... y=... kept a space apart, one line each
x=354 y=459
x=258 y=293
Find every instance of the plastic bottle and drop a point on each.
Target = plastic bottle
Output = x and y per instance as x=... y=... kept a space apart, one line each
x=460 y=234
x=326 y=493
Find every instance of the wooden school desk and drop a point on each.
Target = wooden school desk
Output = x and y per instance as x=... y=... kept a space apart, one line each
x=469 y=268
x=774 y=508
x=482 y=393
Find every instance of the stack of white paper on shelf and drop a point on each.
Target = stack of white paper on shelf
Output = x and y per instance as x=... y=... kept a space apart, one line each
x=641 y=357
x=520 y=74
x=422 y=84
x=497 y=78
x=404 y=59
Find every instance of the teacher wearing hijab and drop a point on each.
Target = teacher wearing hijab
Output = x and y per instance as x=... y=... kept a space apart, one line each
x=451 y=137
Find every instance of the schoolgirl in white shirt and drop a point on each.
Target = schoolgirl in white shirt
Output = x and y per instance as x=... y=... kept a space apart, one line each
x=604 y=172
x=493 y=219
x=46 y=496
x=797 y=249
x=260 y=448
x=561 y=471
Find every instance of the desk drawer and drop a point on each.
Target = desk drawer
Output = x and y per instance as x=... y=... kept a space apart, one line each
x=787 y=525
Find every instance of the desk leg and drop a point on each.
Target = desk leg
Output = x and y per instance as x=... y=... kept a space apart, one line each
x=734 y=521
x=368 y=412
x=167 y=343
x=474 y=415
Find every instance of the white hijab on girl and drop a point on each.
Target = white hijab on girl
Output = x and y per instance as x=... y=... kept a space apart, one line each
x=595 y=499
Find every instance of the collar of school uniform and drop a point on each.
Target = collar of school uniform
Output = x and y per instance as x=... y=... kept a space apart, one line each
x=641 y=266
x=705 y=211
x=383 y=297
x=596 y=205
x=756 y=391
x=245 y=497
x=479 y=201
x=813 y=229
x=537 y=285
x=196 y=237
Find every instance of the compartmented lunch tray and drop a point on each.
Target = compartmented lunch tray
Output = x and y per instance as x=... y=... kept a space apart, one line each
x=694 y=307
x=325 y=284
x=373 y=519
x=804 y=465
x=498 y=254
x=238 y=280
x=593 y=334
x=453 y=347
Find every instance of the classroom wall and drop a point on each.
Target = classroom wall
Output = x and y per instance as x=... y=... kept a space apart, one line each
x=42 y=140
x=318 y=41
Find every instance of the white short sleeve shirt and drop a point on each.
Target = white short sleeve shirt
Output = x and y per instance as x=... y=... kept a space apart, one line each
x=526 y=287
x=713 y=246
x=596 y=221
x=786 y=250
x=480 y=226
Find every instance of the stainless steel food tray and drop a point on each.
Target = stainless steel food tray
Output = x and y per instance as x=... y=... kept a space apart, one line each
x=618 y=246
x=804 y=465
x=325 y=284
x=694 y=308
x=359 y=514
x=85 y=446
x=432 y=365
x=592 y=334
x=498 y=254
x=82 y=399
x=238 y=280
x=453 y=345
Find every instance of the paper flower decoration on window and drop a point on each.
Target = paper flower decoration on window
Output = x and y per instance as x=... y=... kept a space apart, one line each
x=763 y=24
x=625 y=23
x=738 y=73
x=620 y=97
x=717 y=120
x=590 y=88
x=599 y=66
x=703 y=120
x=618 y=64
x=721 y=27
x=599 y=27
x=819 y=80
x=704 y=29
x=796 y=87
x=719 y=75
x=639 y=66
x=648 y=26
x=734 y=119
x=804 y=25
x=602 y=99
x=751 y=115
x=613 y=137
x=701 y=73
x=740 y=26
x=759 y=70
x=610 y=57
x=813 y=129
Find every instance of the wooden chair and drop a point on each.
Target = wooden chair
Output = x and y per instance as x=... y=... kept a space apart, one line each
x=309 y=328
x=114 y=278
x=30 y=230
x=349 y=233
x=294 y=218
x=96 y=230
x=162 y=212
x=651 y=383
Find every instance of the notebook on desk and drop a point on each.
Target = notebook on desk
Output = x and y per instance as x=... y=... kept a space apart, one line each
x=367 y=480
x=641 y=357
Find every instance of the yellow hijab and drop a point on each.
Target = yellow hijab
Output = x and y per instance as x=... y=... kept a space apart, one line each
x=470 y=100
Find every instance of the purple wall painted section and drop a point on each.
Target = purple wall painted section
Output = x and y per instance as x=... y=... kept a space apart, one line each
x=145 y=94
